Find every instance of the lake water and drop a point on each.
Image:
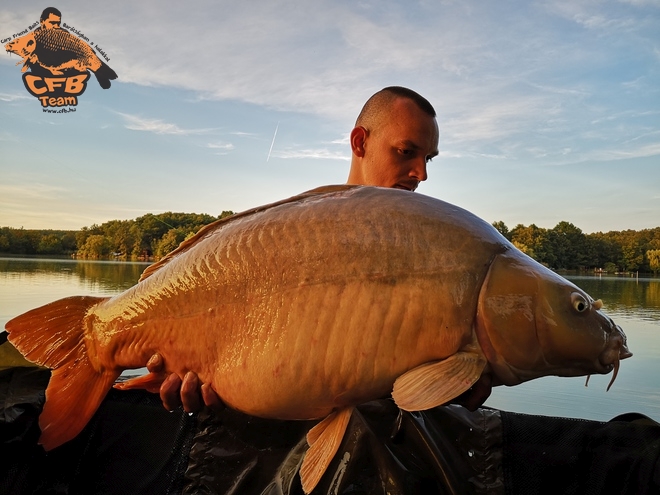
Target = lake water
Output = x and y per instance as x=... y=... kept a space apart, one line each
x=633 y=303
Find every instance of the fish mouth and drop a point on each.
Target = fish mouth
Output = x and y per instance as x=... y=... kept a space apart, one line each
x=615 y=350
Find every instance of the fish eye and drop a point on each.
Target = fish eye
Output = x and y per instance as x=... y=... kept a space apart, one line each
x=580 y=304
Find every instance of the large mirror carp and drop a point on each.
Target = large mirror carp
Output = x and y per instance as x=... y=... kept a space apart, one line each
x=307 y=307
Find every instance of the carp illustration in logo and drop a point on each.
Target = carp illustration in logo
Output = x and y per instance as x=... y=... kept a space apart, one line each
x=50 y=51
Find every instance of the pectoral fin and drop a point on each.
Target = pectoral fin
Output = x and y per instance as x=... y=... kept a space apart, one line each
x=324 y=440
x=436 y=383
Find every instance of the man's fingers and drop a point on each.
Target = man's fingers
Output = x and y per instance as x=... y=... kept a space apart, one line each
x=211 y=399
x=175 y=392
x=155 y=363
x=169 y=392
x=190 y=393
x=478 y=394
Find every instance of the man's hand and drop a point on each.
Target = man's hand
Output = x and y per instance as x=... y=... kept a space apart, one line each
x=175 y=392
x=477 y=394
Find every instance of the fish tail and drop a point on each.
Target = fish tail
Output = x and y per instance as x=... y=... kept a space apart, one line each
x=104 y=74
x=53 y=336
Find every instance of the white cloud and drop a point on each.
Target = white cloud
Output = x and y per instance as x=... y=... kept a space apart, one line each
x=322 y=153
x=30 y=190
x=569 y=156
x=243 y=134
x=643 y=151
x=157 y=126
x=343 y=141
x=645 y=135
x=493 y=120
x=220 y=146
x=10 y=97
x=642 y=3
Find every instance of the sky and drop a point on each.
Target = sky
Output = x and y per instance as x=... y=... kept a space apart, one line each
x=548 y=111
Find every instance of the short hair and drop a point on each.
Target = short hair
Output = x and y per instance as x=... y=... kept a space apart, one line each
x=380 y=102
x=49 y=10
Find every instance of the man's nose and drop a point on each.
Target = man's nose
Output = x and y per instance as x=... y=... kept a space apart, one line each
x=418 y=171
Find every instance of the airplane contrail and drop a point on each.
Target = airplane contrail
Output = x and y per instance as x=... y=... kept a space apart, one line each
x=273 y=142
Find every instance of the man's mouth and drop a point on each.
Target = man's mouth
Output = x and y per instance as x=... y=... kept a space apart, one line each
x=409 y=186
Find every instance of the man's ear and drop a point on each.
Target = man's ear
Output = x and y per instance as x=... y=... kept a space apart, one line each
x=358 y=138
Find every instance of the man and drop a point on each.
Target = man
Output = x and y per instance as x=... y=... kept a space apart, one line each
x=51 y=18
x=394 y=138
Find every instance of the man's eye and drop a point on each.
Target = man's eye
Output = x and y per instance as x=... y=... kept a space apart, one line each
x=405 y=151
x=429 y=159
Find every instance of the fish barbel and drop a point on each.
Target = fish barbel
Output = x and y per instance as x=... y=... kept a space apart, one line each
x=307 y=307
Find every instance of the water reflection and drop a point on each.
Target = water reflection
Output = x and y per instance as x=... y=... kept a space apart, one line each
x=625 y=295
x=102 y=275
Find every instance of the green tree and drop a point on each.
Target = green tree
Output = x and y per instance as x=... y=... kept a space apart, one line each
x=69 y=241
x=604 y=251
x=85 y=232
x=50 y=244
x=4 y=240
x=568 y=245
x=169 y=242
x=534 y=241
x=501 y=227
x=632 y=253
x=96 y=247
x=525 y=249
x=653 y=256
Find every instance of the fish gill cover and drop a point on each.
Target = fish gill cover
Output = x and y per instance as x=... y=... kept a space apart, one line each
x=56 y=63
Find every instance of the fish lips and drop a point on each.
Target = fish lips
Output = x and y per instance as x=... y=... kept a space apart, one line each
x=616 y=349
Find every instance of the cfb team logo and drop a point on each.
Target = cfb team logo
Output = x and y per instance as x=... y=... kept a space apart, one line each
x=56 y=63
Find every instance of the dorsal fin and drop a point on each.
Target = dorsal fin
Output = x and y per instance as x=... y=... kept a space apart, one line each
x=208 y=229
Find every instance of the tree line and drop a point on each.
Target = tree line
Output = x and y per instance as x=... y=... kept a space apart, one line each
x=564 y=247
x=145 y=238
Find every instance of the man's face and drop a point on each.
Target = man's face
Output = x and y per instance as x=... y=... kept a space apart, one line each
x=53 y=21
x=396 y=153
